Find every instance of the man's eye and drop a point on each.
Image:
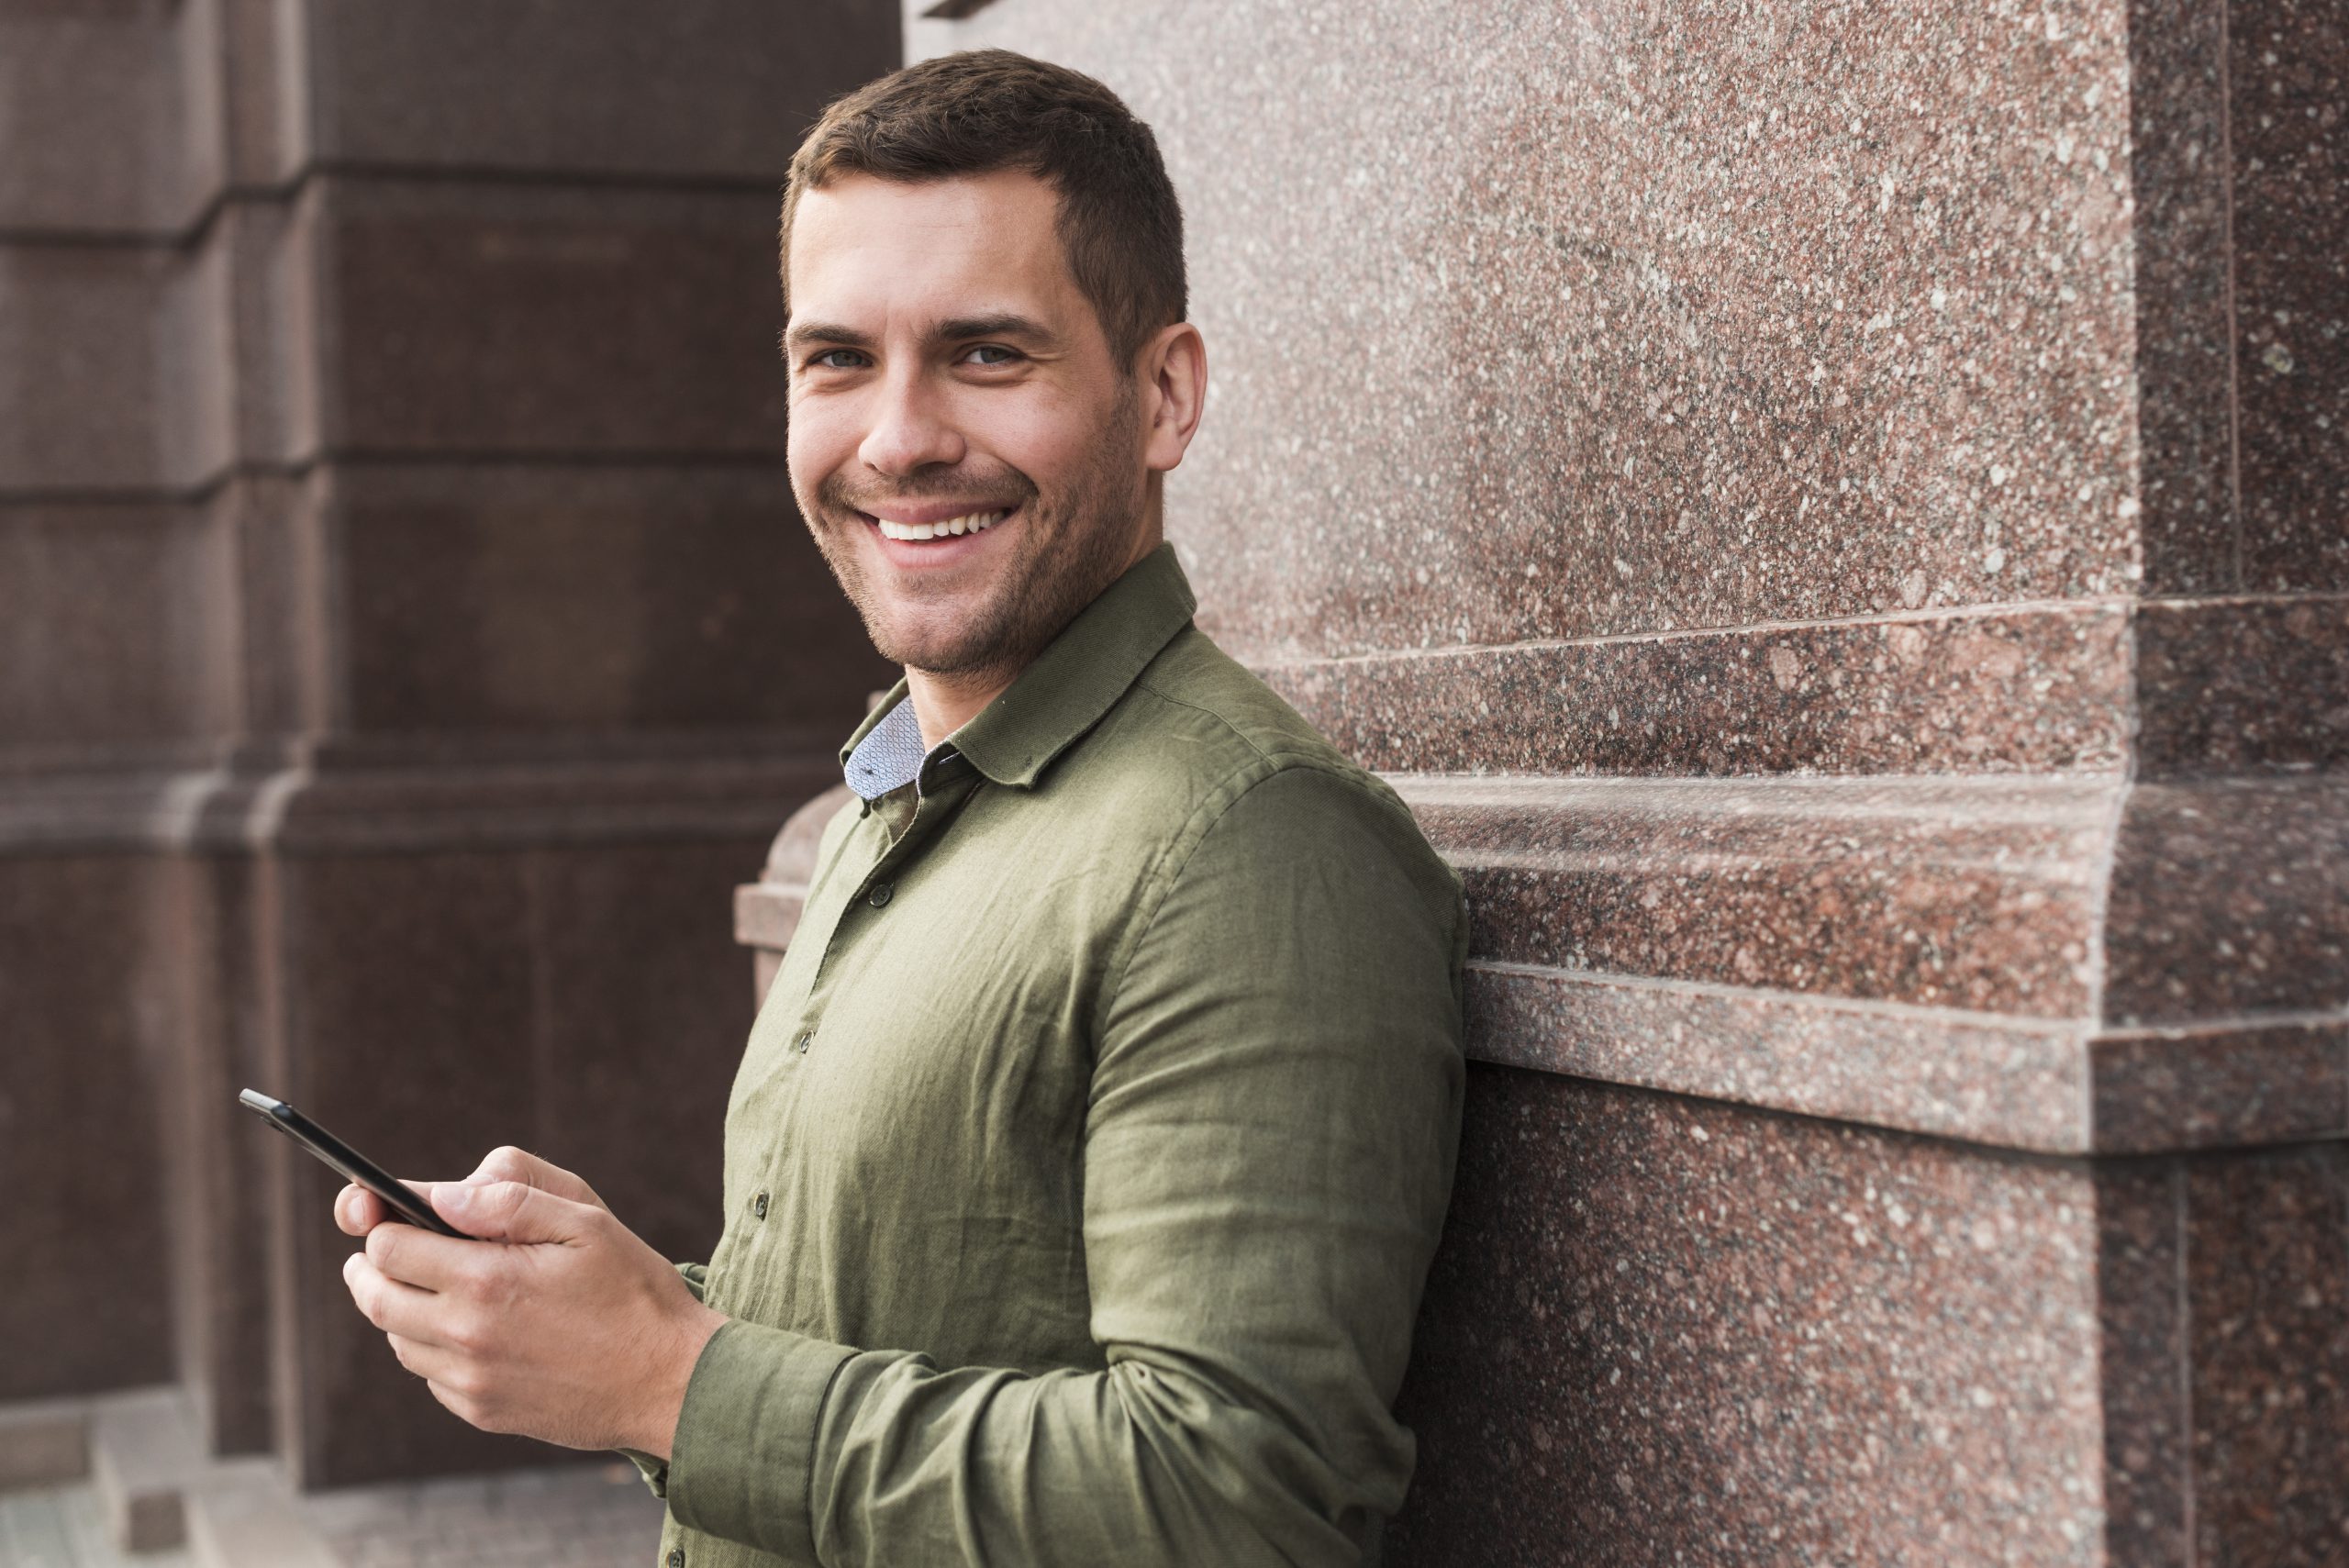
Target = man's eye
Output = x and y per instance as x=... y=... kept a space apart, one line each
x=838 y=360
x=992 y=354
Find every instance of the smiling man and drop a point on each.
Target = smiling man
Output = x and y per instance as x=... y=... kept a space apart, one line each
x=1088 y=1153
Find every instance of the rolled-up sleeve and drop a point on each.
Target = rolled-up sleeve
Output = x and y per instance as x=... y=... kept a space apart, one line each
x=1268 y=1151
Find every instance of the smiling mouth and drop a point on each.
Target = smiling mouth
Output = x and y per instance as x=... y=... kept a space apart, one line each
x=969 y=523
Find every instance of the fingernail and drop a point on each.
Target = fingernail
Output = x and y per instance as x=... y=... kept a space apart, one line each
x=459 y=1196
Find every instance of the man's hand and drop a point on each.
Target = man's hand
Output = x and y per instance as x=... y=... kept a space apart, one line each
x=357 y=1211
x=557 y=1324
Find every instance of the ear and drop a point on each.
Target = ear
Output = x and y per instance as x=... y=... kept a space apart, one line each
x=1173 y=370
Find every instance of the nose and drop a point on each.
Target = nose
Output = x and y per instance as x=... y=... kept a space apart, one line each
x=909 y=429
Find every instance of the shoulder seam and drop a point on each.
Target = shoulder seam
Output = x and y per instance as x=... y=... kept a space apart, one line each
x=1218 y=805
x=1195 y=831
x=1143 y=683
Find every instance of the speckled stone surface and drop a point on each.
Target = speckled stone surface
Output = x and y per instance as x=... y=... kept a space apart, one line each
x=2246 y=1084
x=2148 y=1484
x=1668 y=1332
x=1980 y=894
x=2178 y=111
x=2288 y=63
x=1643 y=315
x=2007 y=1082
x=2266 y=1240
x=2034 y=691
x=2237 y=686
x=2228 y=897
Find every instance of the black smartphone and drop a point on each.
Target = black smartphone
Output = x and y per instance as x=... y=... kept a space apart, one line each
x=403 y=1199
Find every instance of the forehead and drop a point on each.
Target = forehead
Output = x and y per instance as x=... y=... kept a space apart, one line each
x=861 y=246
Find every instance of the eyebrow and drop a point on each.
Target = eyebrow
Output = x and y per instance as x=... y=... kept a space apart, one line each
x=997 y=324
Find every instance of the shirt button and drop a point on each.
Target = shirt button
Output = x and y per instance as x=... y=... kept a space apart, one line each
x=759 y=1205
x=807 y=1038
x=677 y=1557
x=879 y=895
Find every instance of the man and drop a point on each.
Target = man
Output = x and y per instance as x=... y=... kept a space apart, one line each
x=1088 y=1153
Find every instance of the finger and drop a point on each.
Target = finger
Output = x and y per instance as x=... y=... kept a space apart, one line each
x=436 y=1364
x=469 y=1411
x=391 y=1304
x=423 y=1258
x=507 y=1164
x=514 y=1212
x=357 y=1211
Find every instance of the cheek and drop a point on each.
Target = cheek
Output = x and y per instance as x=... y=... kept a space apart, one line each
x=1053 y=439
x=821 y=437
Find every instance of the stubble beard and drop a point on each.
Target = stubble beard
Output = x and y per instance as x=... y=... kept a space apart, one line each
x=1069 y=547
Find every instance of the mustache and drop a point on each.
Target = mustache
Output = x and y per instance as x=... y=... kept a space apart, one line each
x=836 y=494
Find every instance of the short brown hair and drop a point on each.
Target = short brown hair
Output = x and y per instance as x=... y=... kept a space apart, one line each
x=989 y=109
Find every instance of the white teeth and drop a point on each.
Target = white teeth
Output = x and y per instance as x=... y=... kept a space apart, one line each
x=971 y=522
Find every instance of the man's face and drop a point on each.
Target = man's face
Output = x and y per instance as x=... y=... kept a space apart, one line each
x=968 y=455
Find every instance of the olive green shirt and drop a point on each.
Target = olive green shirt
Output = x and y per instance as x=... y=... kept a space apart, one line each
x=1089 y=1150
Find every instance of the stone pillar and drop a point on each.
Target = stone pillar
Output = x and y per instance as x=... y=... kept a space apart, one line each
x=1838 y=519
x=405 y=636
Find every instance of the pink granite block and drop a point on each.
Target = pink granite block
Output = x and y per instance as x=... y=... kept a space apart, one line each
x=2229 y=896
x=2266 y=1240
x=2015 y=1083
x=86 y=1305
x=1998 y=692
x=2185 y=359
x=115 y=628
x=2140 y=1311
x=1975 y=895
x=2212 y=1087
x=2288 y=64
x=481 y=318
x=1669 y=1332
x=108 y=130
x=2237 y=686
x=705 y=89
x=81 y=327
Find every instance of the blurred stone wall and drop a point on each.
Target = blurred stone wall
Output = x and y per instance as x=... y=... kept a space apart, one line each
x=1837 y=516
x=405 y=640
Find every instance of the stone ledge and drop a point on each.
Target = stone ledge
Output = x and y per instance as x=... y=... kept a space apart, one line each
x=2016 y=689
x=1931 y=955
x=44 y=1442
x=143 y=1459
x=344 y=809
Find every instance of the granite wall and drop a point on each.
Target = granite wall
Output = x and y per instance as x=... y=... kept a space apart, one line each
x=1837 y=516
x=405 y=640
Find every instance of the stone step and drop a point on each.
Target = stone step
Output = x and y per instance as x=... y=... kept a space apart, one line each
x=244 y=1516
x=44 y=1443
x=143 y=1458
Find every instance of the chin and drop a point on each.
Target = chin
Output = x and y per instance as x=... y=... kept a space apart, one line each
x=922 y=643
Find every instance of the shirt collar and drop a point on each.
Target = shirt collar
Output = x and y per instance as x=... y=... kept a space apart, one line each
x=888 y=752
x=1059 y=696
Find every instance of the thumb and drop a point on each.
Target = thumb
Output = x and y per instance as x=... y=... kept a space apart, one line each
x=508 y=1211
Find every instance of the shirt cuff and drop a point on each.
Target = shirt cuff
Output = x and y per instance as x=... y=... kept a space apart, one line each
x=744 y=1457
x=655 y=1471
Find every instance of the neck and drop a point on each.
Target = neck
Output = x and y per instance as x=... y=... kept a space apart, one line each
x=944 y=703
